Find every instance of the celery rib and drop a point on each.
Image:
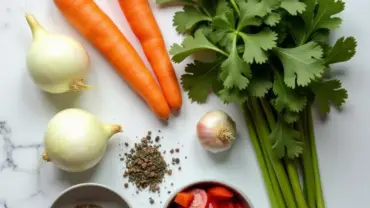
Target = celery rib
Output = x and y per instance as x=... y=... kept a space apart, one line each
x=277 y=165
x=309 y=180
x=311 y=135
x=291 y=167
x=261 y=159
x=271 y=121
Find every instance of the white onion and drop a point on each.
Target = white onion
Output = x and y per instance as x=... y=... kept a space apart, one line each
x=57 y=63
x=216 y=131
x=76 y=140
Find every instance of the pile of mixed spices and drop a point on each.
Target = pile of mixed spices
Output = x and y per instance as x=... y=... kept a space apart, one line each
x=145 y=165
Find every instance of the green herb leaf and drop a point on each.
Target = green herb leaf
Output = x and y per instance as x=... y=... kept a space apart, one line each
x=263 y=7
x=206 y=30
x=321 y=36
x=199 y=80
x=191 y=45
x=294 y=7
x=272 y=19
x=283 y=33
x=248 y=14
x=309 y=12
x=225 y=27
x=187 y=19
x=218 y=35
x=256 y=45
x=297 y=30
x=301 y=64
x=222 y=6
x=235 y=71
x=343 y=50
x=225 y=21
x=285 y=141
x=233 y=95
x=287 y=98
x=208 y=6
x=329 y=92
x=291 y=117
x=259 y=86
x=324 y=16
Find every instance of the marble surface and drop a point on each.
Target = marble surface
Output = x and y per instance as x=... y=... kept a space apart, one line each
x=343 y=138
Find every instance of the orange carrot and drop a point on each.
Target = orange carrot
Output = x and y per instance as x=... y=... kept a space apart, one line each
x=141 y=19
x=100 y=30
x=184 y=199
x=219 y=192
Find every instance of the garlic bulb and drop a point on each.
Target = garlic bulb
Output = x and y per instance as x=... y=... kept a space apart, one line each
x=76 y=140
x=216 y=131
x=57 y=63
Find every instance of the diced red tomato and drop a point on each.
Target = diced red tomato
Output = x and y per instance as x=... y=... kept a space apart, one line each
x=220 y=193
x=200 y=198
x=184 y=199
x=213 y=204
x=226 y=204
x=237 y=205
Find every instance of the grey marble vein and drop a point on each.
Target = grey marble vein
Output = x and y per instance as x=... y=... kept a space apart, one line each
x=4 y=204
x=9 y=163
x=9 y=147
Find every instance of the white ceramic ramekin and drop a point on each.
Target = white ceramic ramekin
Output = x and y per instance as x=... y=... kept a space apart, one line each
x=89 y=193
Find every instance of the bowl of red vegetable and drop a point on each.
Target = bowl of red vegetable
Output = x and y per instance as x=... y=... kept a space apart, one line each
x=208 y=194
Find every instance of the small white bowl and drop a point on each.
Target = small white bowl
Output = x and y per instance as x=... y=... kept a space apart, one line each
x=243 y=199
x=90 y=193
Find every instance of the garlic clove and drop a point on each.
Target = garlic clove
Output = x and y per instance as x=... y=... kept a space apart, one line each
x=216 y=131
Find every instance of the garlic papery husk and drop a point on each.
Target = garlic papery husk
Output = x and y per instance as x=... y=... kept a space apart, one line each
x=76 y=140
x=216 y=131
x=57 y=63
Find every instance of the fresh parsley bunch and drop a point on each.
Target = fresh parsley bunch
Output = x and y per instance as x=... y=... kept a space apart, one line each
x=270 y=56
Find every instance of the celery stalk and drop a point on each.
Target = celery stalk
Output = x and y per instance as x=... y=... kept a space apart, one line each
x=263 y=134
x=319 y=194
x=269 y=115
x=291 y=167
x=261 y=160
x=306 y=159
x=272 y=122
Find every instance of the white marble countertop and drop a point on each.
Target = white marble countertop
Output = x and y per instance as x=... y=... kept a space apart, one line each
x=343 y=139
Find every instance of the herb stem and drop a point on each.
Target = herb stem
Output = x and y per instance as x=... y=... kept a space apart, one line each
x=291 y=167
x=311 y=136
x=309 y=180
x=268 y=112
x=235 y=7
x=272 y=122
x=267 y=176
x=277 y=164
x=205 y=11
x=303 y=40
